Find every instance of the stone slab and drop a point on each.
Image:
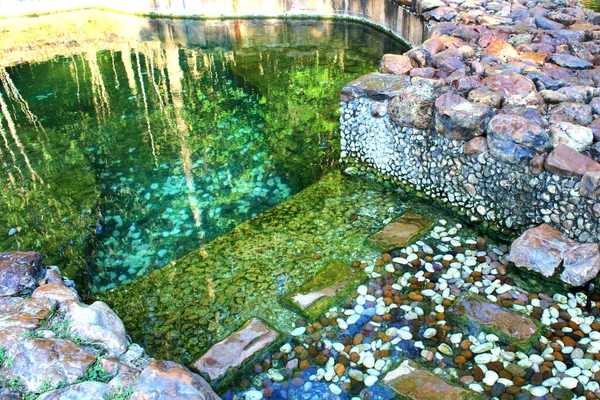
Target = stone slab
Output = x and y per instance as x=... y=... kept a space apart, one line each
x=516 y=328
x=401 y=232
x=565 y=161
x=411 y=381
x=321 y=292
x=235 y=349
x=375 y=85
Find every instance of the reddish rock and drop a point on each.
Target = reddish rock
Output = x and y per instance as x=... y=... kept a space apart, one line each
x=164 y=380
x=485 y=96
x=518 y=327
x=235 y=349
x=414 y=106
x=544 y=249
x=426 y=5
x=501 y=49
x=395 y=64
x=80 y=391
x=538 y=58
x=55 y=291
x=401 y=231
x=536 y=166
x=18 y=316
x=376 y=85
x=99 y=324
x=459 y=118
x=514 y=88
x=19 y=271
x=55 y=360
x=575 y=113
x=441 y=14
x=565 y=161
x=477 y=145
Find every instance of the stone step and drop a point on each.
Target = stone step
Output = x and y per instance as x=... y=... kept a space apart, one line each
x=237 y=348
x=414 y=382
x=402 y=231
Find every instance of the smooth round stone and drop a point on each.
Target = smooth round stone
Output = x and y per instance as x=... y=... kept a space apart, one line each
x=370 y=380
x=298 y=331
x=560 y=366
x=584 y=363
x=573 y=371
x=429 y=333
x=368 y=361
x=538 y=391
x=497 y=389
x=404 y=334
x=490 y=378
x=445 y=349
x=353 y=319
x=286 y=348
x=335 y=389
x=356 y=375
x=342 y=324
x=551 y=381
x=569 y=382
x=482 y=348
x=362 y=290
x=253 y=395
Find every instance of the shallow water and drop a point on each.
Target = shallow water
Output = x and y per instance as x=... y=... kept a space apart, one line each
x=591 y=4
x=126 y=155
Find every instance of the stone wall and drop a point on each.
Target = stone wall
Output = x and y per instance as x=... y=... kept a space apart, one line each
x=388 y=15
x=495 y=116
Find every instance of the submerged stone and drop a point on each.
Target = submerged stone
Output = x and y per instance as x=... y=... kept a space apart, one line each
x=414 y=382
x=516 y=328
x=401 y=231
x=19 y=271
x=234 y=350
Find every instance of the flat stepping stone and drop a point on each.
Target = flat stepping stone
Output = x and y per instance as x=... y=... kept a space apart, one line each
x=234 y=350
x=375 y=85
x=414 y=382
x=401 y=231
x=320 y=293
x=518 y=329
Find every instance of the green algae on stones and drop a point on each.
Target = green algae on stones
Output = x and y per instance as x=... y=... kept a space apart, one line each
x=402 y=231
x=325 y=289
x=472 y=310
x=182 y=309
x=414 y=382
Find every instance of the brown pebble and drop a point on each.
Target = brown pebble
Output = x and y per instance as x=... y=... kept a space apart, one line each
x=339 y=369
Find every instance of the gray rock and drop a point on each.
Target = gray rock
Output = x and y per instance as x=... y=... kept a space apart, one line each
x=460 y=118
x=574 y=136
x=80 y=391
x=590 y=184
x=576 y=113
x=515 y=140
x=19 y=271
x=376 y=85
x=414 y=106
x=572 y=62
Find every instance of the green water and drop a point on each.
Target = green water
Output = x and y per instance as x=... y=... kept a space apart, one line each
x=591 y=4
x=124 y=157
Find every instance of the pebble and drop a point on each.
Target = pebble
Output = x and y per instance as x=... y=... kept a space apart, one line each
x=298 y=331
x=569 y=382
x=370 y=380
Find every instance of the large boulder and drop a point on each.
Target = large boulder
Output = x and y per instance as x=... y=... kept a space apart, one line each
x=515 y=140
x=165 y=380
x=19 y=271
x=576 y=113
x=545 y=250
x=565 y=161
x=515 y=89
x=574 y=136
x=459 y=118
x=53 y=361
x=414 y=106
x=395 y=64
x=99 y=324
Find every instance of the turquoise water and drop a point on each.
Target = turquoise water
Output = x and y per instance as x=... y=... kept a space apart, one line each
x=125 y=157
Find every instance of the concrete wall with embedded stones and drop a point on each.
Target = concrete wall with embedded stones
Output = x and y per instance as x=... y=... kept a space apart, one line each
x=508 y=197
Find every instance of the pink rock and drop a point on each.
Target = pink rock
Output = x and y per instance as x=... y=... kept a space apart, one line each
x=501 y=49
x=19 y=271
x=55 y=291
x=565 y=161
x=395 y=64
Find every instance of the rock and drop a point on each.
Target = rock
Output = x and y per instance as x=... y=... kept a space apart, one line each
x=575 y=113
x=577 y=94
x=80 y=391
x=595 y=105
x=595 y=127
x=477 y=145
x=545 y=23
x=55 y=291
x=426 y=5
x=99 y=324
x=460 y=118
x=574 y=136
x=18 y=316
x=514 y=139
x=19 y=271
x=414 y=106
x=413 y=382
x=515 y=89
x=163 y=380
x=375 y=85
x=553 y=97
x=441 y=14
x=572 y=62
x=401 y=231
x=543 y=250
x=395 y=64
x=54 y=360
x=518 y=328
x=231 y=352
x=485 y=96
x=421 y=57
x=565 y=161
x=501 y=49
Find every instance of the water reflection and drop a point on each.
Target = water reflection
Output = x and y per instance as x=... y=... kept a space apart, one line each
x=128 y=155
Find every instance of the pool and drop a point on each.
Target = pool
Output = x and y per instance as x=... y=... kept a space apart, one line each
x=125 y=153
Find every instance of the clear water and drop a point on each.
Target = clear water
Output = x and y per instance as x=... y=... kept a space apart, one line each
x=591 y=4
x=124 y=156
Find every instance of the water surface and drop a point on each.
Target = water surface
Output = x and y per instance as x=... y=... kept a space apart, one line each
x=128 y=154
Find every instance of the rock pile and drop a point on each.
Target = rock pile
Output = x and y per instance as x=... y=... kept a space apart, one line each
x=53 y=346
